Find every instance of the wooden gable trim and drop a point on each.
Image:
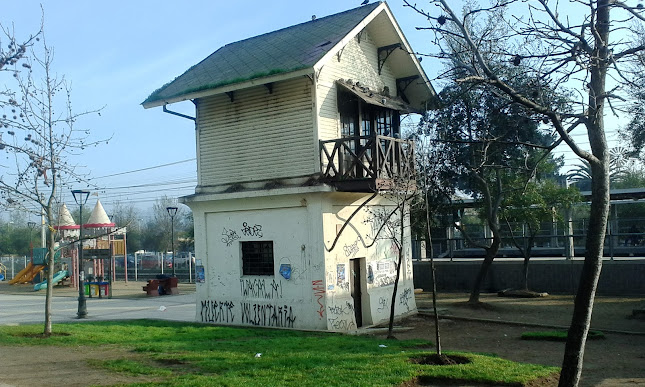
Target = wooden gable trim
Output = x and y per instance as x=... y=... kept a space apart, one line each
x=351 y=35
x=405 y=45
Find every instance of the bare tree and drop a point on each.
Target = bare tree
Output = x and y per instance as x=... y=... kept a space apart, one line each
x=432 y=163
x=394 y=223
x=40 y=138
x=585 y=49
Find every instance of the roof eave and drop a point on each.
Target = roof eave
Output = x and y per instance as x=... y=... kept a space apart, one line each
x=230 y=87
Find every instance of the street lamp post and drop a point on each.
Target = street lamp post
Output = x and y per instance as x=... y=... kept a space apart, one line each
x=80 y=197
x=172 y=211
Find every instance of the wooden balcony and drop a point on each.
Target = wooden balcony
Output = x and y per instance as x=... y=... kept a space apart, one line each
x=367 y=163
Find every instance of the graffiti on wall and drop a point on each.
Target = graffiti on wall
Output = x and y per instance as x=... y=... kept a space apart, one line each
x=383 y=304
x=230 y=236
x=254 y=231
x=217 y=311
x=340 y=274
x=352 y=249
x=319 y=291
x=341 y=316
x=341 y=324
x=405 y=297
x=385 y=273
x=260 y=288
x=268 y=315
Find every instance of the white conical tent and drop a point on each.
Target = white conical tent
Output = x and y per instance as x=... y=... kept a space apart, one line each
x=66 y=224
x=65 y=220
x=98 y=218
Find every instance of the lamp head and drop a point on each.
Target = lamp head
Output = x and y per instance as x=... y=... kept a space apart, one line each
x=80 y=196
x=172 y=211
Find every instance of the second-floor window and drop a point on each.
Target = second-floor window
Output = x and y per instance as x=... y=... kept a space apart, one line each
x=374 y=120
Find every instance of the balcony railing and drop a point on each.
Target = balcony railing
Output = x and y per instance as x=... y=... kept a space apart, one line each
x=366 y=162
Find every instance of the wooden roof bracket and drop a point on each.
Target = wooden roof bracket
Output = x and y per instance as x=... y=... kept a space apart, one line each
x=317 y=73
x=402 y=84
x=269 y=87
x=359 y=35
x=387 y=50
x=340 y=53
x=230 y=95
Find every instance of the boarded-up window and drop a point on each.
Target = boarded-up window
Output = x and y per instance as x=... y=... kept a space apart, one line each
x=257 y=258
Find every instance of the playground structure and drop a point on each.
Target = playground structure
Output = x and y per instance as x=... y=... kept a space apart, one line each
x=101 y=241
x=61 y=275
x=27 y=274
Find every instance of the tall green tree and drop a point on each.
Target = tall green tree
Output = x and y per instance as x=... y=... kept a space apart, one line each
x=573 y=46
x=495 y=146
x=525 y=210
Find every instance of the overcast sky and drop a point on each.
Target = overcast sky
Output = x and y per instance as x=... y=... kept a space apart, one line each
x=117 y=52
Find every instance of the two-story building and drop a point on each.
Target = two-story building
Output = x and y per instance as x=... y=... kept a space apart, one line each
x=296 y=130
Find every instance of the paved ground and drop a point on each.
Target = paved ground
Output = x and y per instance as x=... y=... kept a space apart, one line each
x=19 y=304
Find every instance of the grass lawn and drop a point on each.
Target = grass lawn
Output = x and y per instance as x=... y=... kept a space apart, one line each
x=184 y=354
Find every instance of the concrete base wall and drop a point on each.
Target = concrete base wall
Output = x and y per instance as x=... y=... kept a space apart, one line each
x=557 y=277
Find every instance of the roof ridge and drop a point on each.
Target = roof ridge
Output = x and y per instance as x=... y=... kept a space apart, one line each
x=373 y=5
x=213 y=71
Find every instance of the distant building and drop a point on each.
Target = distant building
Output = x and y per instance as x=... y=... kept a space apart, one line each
x=296 y=129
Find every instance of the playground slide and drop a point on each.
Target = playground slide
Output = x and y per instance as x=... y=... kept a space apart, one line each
x=21 y=273
x=27 y=274
x=57 y=278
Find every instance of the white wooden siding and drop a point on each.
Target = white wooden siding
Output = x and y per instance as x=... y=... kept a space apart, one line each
x=359 y=62
x=258 y=136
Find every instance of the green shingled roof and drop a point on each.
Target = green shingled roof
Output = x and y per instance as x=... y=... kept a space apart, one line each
x=289 y=49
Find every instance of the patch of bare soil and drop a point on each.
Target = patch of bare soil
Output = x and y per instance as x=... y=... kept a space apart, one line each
x=440 y=360
x=616 y=361
x=60 y=366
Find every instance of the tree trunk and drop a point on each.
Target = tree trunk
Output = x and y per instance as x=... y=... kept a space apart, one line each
x=581 y=319
x=51 y=253
x=527 y=257
x=434 y=280
x=481 y=275
x=390 y=326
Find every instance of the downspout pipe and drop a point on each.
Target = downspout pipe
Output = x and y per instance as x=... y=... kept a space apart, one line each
x=178 y=114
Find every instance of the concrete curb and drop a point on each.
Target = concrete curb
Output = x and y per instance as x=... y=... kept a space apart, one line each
x=520 y=323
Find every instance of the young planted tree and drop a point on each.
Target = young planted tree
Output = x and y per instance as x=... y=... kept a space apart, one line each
x=39 y=139
x=587 y=49
x=434 y=174
x=394 y=220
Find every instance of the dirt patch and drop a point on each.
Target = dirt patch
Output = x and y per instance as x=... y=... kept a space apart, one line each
x=616 y=361
x=61 y=366
x=435 y=359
